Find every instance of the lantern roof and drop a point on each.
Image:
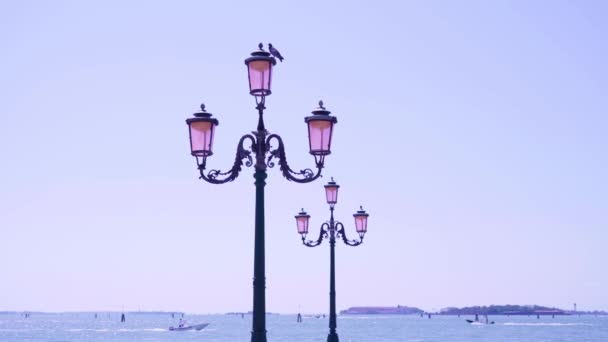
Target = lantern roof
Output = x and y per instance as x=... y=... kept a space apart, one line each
x=321 y=109
x=332 y=183
x=203 y=115
x=361 y=212
x=321 y=113
x=261 y=54
x=302 y=213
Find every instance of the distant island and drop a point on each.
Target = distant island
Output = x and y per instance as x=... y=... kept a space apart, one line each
x=470 y=310
x=504 y=310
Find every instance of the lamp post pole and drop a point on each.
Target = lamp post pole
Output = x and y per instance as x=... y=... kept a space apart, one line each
x=332 y=230
x=202 y=131
x=258 y=332
x=333 y=336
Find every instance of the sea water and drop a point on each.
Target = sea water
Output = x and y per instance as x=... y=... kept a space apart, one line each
x=234 y=328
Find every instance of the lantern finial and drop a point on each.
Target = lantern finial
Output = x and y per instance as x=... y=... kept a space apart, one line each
x=202 y=107
x=321 y=104
x=261 y=46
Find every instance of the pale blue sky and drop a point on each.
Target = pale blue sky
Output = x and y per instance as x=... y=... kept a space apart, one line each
x=473 y=132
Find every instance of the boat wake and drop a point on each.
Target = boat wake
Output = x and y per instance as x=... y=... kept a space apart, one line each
x=548 y=324
x=118 y=330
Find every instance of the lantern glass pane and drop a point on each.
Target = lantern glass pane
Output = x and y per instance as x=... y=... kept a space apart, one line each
x=302 y=222
x=361 y=223
x=201 y=137
x=331 y=193
x=259 y=77
x=320 y=136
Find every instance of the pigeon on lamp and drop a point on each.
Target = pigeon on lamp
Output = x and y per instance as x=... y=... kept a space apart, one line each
x=275 y=52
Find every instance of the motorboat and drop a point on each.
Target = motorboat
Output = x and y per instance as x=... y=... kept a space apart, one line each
x=196 y=327
x=479 y=321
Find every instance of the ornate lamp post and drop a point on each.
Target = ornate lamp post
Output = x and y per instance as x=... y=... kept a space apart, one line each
x=332 y=230
x=202 y=131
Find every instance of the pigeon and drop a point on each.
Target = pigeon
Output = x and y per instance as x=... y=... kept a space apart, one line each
x=275 y=52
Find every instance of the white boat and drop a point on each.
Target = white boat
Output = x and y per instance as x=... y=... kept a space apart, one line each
x=190 y=327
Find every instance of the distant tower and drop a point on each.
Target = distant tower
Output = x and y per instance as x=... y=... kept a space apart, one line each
x=574 y=307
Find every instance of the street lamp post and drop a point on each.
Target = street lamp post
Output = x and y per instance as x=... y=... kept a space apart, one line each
x=332 y=230
x=202 y=132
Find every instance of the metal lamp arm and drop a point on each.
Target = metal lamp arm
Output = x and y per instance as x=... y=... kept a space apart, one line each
x=219 y=177
x=322 y=235
x=342 y=234
x=307 y=175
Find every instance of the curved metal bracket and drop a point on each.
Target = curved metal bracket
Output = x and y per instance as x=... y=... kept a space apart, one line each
x=323 y=234
x=342 y=234
x=307 y=175
x=217 y=176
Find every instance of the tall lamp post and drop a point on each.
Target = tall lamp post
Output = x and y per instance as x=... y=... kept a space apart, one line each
x=332 y=230
x=202 y=131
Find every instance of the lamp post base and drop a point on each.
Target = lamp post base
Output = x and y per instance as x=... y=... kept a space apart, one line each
x=332 y=337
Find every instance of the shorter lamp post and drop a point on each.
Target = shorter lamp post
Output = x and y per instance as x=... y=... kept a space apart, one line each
x=332 y=230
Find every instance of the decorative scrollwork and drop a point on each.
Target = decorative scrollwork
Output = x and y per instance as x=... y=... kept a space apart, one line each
x=217 y=176
x=273 y=154
x=305 y=175
x=341 y=233
x=323 y=234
